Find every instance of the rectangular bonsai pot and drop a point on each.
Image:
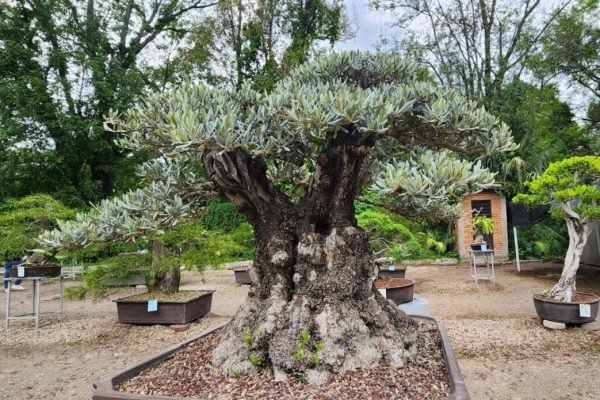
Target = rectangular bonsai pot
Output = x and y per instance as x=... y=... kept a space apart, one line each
x=396 y=272
x=168 y=312
x=242 y=276
x=105 y=388
x=45 y=271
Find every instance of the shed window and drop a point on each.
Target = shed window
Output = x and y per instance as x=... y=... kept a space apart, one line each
x=481 y=207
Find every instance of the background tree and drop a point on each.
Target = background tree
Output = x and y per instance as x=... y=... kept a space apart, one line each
x=21 y=221
x=573 y=184
x=572 y=46
x=334 y=120
x=260 y=41
x=542 y=125
x=474 y=45
x=63 y=65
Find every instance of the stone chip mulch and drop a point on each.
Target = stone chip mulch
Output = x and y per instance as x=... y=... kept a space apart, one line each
x=189 y=374
x=516 y=339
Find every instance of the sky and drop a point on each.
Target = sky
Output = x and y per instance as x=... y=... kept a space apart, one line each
x=369 y=26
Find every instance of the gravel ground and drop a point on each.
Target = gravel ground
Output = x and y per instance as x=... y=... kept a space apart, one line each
x=503 y=352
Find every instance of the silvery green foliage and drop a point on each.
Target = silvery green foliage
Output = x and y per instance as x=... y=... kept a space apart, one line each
x=431 y=183
x=137 y=213
x=318 y=98
x=374 y=94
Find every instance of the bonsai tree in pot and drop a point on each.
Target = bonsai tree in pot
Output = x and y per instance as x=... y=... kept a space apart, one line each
x=482 y=225
x=292 y=161
x=573 y=186
x=142 y=213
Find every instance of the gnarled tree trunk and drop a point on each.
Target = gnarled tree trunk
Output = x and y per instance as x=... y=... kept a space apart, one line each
x=164 y=274
x=579 y=231
x=312 y=309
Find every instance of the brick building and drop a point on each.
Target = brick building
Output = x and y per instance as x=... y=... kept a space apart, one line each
x=493 y=205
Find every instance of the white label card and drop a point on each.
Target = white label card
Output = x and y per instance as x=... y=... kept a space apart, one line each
x=391 y=268
x=585 y=310
x=152 y=305
x=21 y=272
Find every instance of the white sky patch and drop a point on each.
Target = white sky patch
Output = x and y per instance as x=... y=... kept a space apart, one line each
x=370 y=27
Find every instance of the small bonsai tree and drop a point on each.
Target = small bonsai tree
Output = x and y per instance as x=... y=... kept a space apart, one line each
x=142 y=213
x=482 y=225
x=573 y=185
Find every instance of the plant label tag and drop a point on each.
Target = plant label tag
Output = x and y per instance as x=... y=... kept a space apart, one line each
x=483 y=247
x=585 y=310
x=21 y=272
x=391 y=268
x=152 y=305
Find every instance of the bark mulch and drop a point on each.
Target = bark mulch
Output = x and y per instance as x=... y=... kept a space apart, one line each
x=189 y=373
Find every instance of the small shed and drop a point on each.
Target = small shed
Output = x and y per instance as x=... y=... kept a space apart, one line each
x=490 y=204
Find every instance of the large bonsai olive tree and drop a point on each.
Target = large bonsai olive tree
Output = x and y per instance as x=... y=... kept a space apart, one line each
x=293 y=161
x=573 y=184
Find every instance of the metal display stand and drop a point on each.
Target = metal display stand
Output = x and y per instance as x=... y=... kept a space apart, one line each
x=480 y=259
x=35 y=314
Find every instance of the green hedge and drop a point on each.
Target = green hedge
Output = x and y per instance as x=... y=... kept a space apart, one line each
x=22 y=220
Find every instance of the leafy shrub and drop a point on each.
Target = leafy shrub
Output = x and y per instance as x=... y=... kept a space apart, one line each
x=198 y=247
x=100 y=251
x=483 y=224
x=222 y=215
x=112 y=271
x=386 y=230
x=21 y=221
x=548 y=239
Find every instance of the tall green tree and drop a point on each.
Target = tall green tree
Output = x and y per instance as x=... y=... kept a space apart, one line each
x=475 y=45
x=572 y=46
x=63 y=65
x=544 y=127
x=261 y=41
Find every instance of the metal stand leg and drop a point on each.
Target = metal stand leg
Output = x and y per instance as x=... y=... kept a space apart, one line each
x=8 y=305
x=36 y=299
x=61 y=299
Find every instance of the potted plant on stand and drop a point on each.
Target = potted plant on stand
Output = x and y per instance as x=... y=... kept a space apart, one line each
x=573 y=186
x=482 y=226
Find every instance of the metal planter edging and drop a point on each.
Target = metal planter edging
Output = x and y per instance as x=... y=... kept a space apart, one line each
x=104 y=388
x=457 y=382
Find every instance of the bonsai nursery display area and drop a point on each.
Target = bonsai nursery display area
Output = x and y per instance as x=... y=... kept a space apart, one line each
x=502 y=350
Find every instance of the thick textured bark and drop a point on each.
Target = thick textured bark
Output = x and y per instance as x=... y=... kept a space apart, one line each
x=579 y=231
x=165 y=276
x=312 y=309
